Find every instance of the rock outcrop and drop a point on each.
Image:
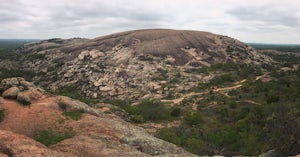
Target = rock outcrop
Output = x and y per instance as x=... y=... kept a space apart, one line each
x=128 y=64
x=95 y=133
x=18 y=88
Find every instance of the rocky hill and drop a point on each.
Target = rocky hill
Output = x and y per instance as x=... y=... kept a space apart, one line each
x=134 y=64
x=207 y=93
x=36 y=123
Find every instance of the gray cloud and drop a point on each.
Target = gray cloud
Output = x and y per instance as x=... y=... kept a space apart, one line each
x=267 y=15
x=255 y=21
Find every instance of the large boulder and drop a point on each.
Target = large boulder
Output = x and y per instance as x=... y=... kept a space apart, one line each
x=33 y=93
x=10 y=82
x=75 y=105
x=23 y=98
x=11 y=93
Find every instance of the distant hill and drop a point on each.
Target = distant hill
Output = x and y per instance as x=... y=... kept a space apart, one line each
x=278 y=47
x=9 y=44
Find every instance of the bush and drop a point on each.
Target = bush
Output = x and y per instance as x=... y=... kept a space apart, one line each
x=63 y=106
x=138 y=119
x=2 y=115
x=194 y=119
x=233 y=104
x=49 y=137
x=169 y=135
x=72 y=92
x=153 y=110
x=187 y=138
x=194 y=144
x=175 y=112
x=75 y=115
x=24 y=102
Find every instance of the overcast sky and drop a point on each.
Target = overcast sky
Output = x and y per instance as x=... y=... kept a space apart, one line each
x=267 y=21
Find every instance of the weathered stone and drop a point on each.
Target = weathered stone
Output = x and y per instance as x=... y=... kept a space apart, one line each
x=82 y=55
x=9 y=82
x=11 y=93
x=95 y=54
x=105 y=89
x=163 y=82
x=94 y=95
x=97 y=84
x=155 y=86
x=26 y=84
x=24 y=98
x=75 y=105
x=33 y=93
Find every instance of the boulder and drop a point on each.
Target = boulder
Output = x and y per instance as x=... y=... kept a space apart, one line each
x=23 y=98
x=11 y=93
x=105 y=89
x=31 y=94
x=9 y=82
x=76 y=105
x=26 y=84
x=82 y=55
x=155 y=86
x=96 y=53
x=270 y=153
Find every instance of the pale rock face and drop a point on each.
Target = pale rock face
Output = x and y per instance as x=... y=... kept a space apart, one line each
x=105 y=89
x=83 y=54
x=23 y=97
x=170 y=60
x=10 y=82
x=155 y=86
x=97 y=84
x=95 y=54
x=11 y=93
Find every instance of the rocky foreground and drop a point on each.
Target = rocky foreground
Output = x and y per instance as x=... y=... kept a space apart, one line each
x=28 y=111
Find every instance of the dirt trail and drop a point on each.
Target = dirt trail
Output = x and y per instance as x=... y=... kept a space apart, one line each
x=235 y=86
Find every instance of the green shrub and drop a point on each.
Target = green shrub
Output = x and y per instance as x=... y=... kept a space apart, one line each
x=147 y=110
x=169 y=135
x=72 y=92
x=194 y=144
x=75 y=115
x=223 y=111
x=233 y=104
x=175 y=112
x=49 y=137
x=24 y=102
x=188 y=138
x=62 y=105
x=194 y=119
x=153 y=110
x=138 y=119
x=2 y=114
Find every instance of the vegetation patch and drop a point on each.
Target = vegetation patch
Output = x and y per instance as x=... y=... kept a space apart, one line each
x=2 y=115
x=50 y=137
x=147 y=110
x=75 y=115
x=62 y=105
x=24 y=102
x=72 y=92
